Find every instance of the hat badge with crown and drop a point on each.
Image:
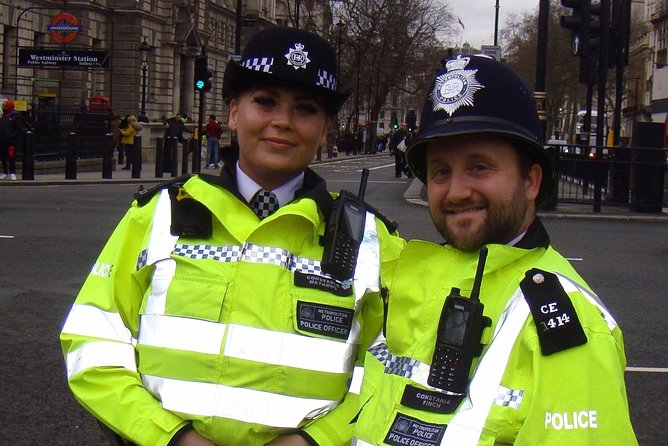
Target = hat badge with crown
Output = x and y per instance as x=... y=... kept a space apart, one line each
x=456 y=87
x=297 y=57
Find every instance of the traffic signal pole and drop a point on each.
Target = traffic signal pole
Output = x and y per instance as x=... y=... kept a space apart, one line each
x=600 y=101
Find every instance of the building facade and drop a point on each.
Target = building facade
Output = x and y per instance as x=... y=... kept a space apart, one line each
x=173 y=34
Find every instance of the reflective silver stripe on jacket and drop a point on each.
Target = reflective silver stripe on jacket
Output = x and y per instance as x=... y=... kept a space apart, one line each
x=251 y=406
x=465 y=427
x=254 y=344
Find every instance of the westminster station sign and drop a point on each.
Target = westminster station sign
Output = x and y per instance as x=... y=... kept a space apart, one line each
x=58 y=58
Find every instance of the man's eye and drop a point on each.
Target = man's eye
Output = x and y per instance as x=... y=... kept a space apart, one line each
x=440 y=173
x=480 y=168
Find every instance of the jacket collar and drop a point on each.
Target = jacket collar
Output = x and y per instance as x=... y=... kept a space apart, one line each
x=314 y=186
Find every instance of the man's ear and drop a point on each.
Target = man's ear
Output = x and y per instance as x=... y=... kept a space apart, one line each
x=533 y=180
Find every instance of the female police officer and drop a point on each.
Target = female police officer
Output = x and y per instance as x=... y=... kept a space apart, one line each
x=208 y=317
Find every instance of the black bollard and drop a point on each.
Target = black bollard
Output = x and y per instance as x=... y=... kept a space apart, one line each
x=136 y=158
x=28 y=157
x=184 y=159
x=174 y=151
x=71 y=157
x=108 y=156
x=159 y=157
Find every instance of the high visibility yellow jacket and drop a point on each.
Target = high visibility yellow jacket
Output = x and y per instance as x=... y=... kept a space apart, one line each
x=239 y=333
x=535 y=383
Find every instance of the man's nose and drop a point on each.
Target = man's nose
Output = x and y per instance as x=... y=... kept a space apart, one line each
x=459 y=188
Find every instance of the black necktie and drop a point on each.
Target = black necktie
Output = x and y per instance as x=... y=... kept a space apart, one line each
x=264 y=203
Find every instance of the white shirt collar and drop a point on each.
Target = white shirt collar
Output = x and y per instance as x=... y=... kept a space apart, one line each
x=285 y=194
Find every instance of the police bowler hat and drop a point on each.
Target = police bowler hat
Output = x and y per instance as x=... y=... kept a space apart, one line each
x=287 y=56
x=477 y=95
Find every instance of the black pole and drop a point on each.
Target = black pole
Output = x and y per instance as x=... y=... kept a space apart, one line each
x=298 y=2
x=600 y=106
x=108 y=156
x=184 y=159
x=237 y=43
x=159 y=157
x=541 y=70
x=496 y=23
x=142 y=113
x=71 y=157
x=174 y=153
x=197 y=156
x=28 y=157
x=136 y=158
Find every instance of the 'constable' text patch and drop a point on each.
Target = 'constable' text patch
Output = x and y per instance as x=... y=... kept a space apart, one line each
x=328 y=284
x=429 y=400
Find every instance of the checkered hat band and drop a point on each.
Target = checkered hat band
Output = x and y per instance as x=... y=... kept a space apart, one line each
x=252 y=254
x=262 y=64
x=326 y=80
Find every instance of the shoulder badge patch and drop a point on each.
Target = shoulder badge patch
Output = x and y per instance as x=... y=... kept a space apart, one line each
x=455 y=88
x=553 y=313
x=297 y=57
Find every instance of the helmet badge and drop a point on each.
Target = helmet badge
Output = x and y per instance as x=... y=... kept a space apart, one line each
x=297 y=57
x=456 y=87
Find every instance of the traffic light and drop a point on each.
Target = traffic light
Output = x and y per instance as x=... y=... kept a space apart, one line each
x=395 y=121
x=579 y=23
x=411 y=120
x=202 y=74
x=585 y=24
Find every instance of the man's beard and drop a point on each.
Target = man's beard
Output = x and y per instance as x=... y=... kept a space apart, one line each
x=502 y=223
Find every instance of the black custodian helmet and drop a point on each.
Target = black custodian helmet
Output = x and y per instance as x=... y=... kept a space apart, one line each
x=287 y=56
x=479 y=95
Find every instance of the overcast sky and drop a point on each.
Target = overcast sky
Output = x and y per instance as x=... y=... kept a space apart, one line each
x=478 y=17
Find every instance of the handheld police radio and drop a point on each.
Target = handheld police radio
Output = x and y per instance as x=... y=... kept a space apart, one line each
x=458 y=337
x=344 y=232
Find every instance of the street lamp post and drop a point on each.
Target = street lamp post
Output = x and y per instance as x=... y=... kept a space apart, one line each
x=297 y=3
x=144 y=49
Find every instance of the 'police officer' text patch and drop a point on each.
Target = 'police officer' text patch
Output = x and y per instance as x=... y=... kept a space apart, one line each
x=553 y=313
x=324 y=319
x=407 y=430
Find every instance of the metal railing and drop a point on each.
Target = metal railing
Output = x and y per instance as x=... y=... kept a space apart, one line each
x=611 y=176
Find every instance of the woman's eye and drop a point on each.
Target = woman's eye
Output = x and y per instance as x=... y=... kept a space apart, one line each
x=264 y=101
x=307 y=108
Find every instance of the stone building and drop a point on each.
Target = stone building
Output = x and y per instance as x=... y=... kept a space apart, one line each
x=174 y=32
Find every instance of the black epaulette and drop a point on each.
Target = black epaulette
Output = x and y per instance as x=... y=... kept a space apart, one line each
x=390 y=224
x=556 y=320
x=145 y=195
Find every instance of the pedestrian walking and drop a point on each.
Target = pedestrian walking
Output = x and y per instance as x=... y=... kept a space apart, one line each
x=221 y=311
x=492 y=338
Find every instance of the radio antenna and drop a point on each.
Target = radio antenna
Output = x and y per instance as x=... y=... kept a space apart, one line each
x=365 y=177
x=477 y=280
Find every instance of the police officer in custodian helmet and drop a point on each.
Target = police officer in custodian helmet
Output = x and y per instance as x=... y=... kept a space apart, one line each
x=492 y=337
